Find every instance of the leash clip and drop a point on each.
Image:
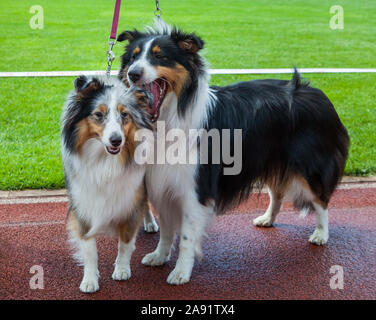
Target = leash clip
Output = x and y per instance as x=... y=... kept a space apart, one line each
x=110 y=56
x=157 y=11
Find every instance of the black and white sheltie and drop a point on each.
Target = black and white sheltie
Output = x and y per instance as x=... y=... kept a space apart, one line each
x=292 y=140
x=106 y=187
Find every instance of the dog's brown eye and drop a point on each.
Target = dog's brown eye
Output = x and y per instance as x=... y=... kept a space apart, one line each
x=134 y=55
x=98 y=115
x=123 y=115
x=160 y=56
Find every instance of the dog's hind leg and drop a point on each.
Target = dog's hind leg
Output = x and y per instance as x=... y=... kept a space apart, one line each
x=150 y=225
x=321 y=234
x=267 y=219
x=317 y=202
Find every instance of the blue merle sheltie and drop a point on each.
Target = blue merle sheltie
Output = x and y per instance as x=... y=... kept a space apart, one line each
x=293 y=142
x=106 y=187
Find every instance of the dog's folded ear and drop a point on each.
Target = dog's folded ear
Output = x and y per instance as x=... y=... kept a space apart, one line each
x=84 y=85
x=144 y=101
x=190 y=43
x=129 y=35
x=144 y=98
x=80 y=82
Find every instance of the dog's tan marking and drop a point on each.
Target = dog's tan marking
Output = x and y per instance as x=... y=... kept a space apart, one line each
x=177 y=77
x=129 y=227
x=124 y=77
x=280 y=186
x=129 y=129
x=95 y=127
x=122 y=108
x=83 y=133
x=306 y=186
x=101 y=108
x=142 y=101
x=136 y=51
x=156 y=49
x=74 y=224
x=89 y=127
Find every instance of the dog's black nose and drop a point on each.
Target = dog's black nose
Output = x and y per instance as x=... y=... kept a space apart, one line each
x=115 y=140
x=135 y=75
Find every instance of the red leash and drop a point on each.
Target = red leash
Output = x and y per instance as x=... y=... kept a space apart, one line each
x=112 y=38
x=115 y=20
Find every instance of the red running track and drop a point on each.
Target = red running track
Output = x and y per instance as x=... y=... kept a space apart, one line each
x=240 y=261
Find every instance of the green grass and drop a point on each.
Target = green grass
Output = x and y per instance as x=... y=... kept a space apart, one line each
x=238 y=34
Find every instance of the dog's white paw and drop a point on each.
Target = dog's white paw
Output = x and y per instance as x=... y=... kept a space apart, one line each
x=263 y=221
x=151 y=227
x=319 y=237
x=155 y=259
x=89 y=285
x=179 y=276
x=121 y=273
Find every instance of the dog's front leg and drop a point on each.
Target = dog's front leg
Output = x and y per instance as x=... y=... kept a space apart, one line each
x=89 y=256
x=127 y=243
x=162 y=253
x=86 y=251
x=123 y=261
x=194 y=220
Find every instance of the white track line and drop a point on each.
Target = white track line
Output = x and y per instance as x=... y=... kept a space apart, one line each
x=289 y=70
x=33 y=200
x=364 y=185
x=211 y=71
x=30 y=224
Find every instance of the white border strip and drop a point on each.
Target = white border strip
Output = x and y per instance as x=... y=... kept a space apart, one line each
x=211 y=71
x=30 y=224
x=33 y=200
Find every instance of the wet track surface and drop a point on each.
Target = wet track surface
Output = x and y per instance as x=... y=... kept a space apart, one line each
x=240 y=261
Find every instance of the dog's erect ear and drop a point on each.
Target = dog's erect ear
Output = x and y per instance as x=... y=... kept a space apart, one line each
x=129 y=35
x=190 y=43
x=80 y=82
x=84 y=86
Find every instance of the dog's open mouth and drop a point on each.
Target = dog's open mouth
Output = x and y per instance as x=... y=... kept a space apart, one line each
x=113 y=150
x=159 y=89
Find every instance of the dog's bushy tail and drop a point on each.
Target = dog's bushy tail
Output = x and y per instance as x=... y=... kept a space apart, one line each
x=296 y=82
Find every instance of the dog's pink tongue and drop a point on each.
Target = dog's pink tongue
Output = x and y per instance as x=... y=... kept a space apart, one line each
x=156 y=94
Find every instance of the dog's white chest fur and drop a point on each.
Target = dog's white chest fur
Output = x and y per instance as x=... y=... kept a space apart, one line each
x=102 y=188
